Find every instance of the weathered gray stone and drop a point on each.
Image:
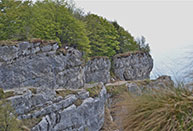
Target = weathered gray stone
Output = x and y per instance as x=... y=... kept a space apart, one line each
x=35 y=64
x=98 y=70
x=55 y=46
x=134 y=66
x=35 y=50
x=28 y=101
x=8 y=53
x=83 y=94
x=46 y=48
x=40 y=69
x=88 y=116
x=140 y=87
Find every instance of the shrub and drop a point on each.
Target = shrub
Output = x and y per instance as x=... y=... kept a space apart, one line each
x=8 y=121
x=168 y=109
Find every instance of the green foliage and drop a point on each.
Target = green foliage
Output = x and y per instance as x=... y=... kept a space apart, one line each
x=94 y=91
x=14 y=19
x=49 y=20
x=117 y=90
x=27 y=124
x=1 y=93
x=65 y=92
x=52 y=20
x=102 y=35
x=61 y=21
x=143 y=46
x=126 y=40
x=8 y=121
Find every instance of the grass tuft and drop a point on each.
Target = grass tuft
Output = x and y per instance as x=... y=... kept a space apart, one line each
x=94 y=91
x=65 y=92
x=168 y=109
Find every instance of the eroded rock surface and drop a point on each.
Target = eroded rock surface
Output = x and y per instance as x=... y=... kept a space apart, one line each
x=98 y=70
x=61 y=109
x=88 y=116
x=38 y=65
x=132 y=66
x=47 y=65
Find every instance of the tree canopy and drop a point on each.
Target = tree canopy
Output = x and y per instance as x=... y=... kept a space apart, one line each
x=102 y=35
x=126 y=40
x=61 y=21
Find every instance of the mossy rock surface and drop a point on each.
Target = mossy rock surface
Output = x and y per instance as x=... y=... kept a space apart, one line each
x=116 y=89
x=30 y=123
x=66 y=92
x=94 y=91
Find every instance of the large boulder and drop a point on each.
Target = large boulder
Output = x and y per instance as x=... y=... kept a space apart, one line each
x=98 y=70
x=132 y=66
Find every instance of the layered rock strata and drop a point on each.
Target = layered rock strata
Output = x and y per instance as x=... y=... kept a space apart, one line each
x=47 y=65
x=35 y=64
x=61 y=109
x=132 y=66
x=98 y=70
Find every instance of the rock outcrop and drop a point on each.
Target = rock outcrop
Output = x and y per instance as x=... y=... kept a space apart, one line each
x=47 y=65
x=50 y=84
x=98 y=70
x=116 y=90
x=35 y=64
x=61 y=109
x=76 y=109
x=132 y=66
x=140 y=87
x=88 y=116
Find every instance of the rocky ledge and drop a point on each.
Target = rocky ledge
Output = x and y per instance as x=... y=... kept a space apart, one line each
x=47 y=65
x=60 y=109
x=75 y=109
x=132 y=66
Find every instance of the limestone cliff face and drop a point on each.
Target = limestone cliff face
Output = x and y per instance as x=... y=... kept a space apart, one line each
x=98 y=70
x=61 y=109
x=132 y=66
x=50 y=84
x=29 y=64
x=47 y=65
x=76 y=109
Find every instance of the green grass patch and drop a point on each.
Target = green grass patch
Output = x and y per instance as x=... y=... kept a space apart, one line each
x=8 y=42
x=29 y=123
x=33 y=90
x=126 y=54
x=64 y=93
x=94 y=91
x=4 y=95
x=117 y=90
x=78 y=102
x=169 y=109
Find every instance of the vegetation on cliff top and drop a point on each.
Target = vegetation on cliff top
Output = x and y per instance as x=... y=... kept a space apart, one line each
x=63 y=22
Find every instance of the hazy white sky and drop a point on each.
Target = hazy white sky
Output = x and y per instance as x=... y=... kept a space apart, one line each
x=166 y=25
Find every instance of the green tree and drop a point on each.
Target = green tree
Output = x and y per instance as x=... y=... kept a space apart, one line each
x=143 y=46
x=102 y=35
x=14 y=16
x=52 y=20
x=126 y=40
